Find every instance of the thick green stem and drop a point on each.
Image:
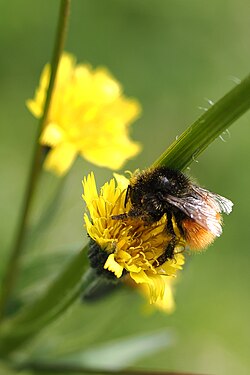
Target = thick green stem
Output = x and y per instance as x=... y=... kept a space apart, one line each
x=62 y=292
x=197 y=137
x=35 y=169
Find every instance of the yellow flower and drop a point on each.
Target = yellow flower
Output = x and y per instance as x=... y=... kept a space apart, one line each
x=88 y=115
x=129 y=247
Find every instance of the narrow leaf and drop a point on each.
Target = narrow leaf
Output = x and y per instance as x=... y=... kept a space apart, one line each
x=197 y=137
x=119 y=354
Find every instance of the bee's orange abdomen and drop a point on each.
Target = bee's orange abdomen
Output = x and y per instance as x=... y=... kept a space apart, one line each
x=196 y=236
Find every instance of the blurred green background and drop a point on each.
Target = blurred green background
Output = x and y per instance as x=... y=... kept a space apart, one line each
x=173 y=56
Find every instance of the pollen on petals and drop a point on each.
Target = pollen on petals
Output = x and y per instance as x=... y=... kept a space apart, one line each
x=87 y=111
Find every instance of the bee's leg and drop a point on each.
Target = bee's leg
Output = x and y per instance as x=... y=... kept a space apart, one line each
x=127 y=196
x=132 y=214
x=119 y=217
x=169 y=251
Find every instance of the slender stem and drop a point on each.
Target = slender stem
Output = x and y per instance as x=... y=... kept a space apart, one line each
x=35 y=169
x=57 y=368
x=207 y=128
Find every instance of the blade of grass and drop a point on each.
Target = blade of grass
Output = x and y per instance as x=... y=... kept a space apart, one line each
x=197 y=137
x=179 y=155
x=35 y=169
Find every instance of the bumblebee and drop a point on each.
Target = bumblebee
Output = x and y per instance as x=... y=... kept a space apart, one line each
x=193 y=213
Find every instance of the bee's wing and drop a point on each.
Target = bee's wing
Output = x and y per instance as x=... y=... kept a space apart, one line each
x=221 y=204
x=203 y=207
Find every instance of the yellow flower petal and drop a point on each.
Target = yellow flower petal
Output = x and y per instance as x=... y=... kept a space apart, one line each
x=140 y=277
x=52 y=135
x=90 y=194
x=121 y=180
x=60 y=158
x=36 y=105
x=164 y=302
x=100 y=154
x=113 y=266
x=87 y=110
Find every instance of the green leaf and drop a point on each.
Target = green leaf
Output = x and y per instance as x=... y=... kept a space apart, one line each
x=197 y=137
x=124 y=352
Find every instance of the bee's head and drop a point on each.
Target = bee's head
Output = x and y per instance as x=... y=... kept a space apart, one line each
x=170 y=181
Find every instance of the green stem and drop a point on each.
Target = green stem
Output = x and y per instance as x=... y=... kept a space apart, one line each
x=207 y=128
x=35 y=169
x=62 y=292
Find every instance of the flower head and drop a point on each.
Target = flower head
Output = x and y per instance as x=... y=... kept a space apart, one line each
x=88 y=115
x=131 y=247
